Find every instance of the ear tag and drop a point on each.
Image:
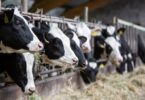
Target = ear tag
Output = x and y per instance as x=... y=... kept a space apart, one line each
x=6 y=20
x=102 y=46
x=95 y=33
x=101 y=66
x=120 y=33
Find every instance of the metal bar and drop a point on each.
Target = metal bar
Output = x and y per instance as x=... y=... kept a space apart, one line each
x=24 y=4
x=0 y=4
x=57 y=19
x=131 y=24
x=86 y=14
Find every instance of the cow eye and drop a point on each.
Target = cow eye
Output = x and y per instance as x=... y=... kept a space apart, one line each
x=108 y=49
x=18 y=22
x=83 y=39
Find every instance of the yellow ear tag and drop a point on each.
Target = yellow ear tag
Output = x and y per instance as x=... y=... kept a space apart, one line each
x=102 y=66
x=102 y=46
x=6 y=20
x=95 y=33
x=120 y=33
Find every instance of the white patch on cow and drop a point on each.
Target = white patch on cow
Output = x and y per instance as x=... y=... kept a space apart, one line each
x=69 y=55
x=75 y=37
x=83 y=30
x=35 y=44
x=93 y=65
x=130 y=56
x=115 y=54
x=111 y=30
x=30 y=86
x=125 y=56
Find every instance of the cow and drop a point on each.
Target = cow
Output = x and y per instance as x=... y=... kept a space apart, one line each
x=88 y=73
x=84 y=33
x=19 y=68
x=106 y=46
x=15 y=34
x=68 y=58
x=129 y=60
x=75 y=44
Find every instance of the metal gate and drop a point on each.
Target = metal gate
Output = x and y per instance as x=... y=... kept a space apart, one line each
x=131 y=34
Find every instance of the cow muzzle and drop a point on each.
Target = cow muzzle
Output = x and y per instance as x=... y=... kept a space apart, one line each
x=35 y=46
x=30 y=90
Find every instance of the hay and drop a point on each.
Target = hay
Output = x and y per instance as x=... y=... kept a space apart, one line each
x=109 y=87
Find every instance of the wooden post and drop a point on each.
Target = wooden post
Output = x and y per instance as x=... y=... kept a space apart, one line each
x=86 y=14
x=24 y=4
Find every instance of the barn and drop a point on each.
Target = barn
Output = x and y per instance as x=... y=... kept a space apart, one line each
x=72 y=50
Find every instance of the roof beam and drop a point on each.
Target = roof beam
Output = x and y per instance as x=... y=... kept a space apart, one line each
x=47 y=4
x=92 y=5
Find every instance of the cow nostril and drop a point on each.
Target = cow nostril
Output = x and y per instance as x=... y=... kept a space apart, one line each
x=40 y=45
x=75 y=61
x=32 y=89
x=120 y=61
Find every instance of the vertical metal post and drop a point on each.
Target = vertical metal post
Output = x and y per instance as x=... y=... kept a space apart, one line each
x=0 y=4
x=86 y=14
x=24 y=4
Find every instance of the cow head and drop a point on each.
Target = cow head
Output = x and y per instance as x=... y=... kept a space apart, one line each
x=19 y=69
x=56 y=45
x=69 y=58
x=84 y=34
x=107 y=43
x=75 y=45
x=15 y=35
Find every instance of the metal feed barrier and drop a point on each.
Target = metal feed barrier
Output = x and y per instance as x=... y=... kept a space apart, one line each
x=131 y=34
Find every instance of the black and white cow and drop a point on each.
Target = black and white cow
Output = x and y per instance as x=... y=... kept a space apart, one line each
x=107 y=46
x=89 y=73
x=56 y=44
x=75 y=44
x=128 y=63
x=15 y=34
x=84 y=33
x=19 y=68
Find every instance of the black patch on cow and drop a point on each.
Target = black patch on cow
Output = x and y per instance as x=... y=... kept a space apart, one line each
x=15 y=65
x=15 y=34
x=82 y=39
x=54 y=49
x=79 y=53
x=77 y=50
x=89 y=74
x=141 y=48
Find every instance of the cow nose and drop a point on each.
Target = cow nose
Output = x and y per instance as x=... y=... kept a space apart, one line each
x=31 y=90
x=85 y=48
x=120 y=60
x=40 y=46
x=75 y=61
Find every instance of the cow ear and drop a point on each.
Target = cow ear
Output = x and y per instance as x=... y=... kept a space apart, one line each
x=120 y=31
x=8 y=16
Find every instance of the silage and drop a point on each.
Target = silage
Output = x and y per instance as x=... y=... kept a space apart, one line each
x=130 y=86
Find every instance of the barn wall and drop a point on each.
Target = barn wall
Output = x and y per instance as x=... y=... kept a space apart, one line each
x=131 y=10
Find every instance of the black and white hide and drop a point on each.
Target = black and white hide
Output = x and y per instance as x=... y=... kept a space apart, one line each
x=15 y=34
x=128 y=63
